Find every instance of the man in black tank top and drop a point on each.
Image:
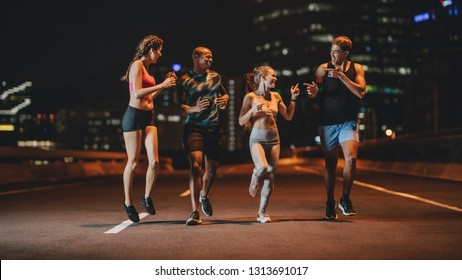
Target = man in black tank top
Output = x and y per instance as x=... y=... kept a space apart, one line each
x=344 y=85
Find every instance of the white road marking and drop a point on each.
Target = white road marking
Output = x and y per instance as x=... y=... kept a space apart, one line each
x=382 y=189
x=185 y=193
x=411 y=196
x=127 y=223
x=124 y=225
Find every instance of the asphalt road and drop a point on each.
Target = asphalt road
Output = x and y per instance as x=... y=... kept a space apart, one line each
x=398 y=218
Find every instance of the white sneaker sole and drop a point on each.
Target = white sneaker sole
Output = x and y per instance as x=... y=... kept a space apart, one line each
x=193 y=222
x=264 y=220
x=343 y=211
x=202 y=207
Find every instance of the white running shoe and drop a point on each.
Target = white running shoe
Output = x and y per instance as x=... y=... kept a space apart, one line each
x=263 y=218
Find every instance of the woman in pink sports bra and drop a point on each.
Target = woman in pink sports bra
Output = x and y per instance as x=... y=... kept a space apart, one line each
x=138 y=120
x=260 y=107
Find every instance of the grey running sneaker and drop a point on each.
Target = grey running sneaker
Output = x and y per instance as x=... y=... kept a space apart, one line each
x=346 y=206
x=206 y=206
x=263 y=218
x=254 y=186
x=331 y=213
x=148 y=205
x=194 y=219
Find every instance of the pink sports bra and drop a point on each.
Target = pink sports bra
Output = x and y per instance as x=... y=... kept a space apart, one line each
x=147 y=80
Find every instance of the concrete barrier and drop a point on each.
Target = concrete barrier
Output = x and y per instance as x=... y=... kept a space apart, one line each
x=386 y=157
x=88 y=165
x=20 y=166
x=445 y=171
x=11 y=174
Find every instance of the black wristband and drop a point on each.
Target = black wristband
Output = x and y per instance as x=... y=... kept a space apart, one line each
x=294 y=100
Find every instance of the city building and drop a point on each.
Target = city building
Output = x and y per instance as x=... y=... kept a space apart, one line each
x=20 y=124
x=432 y=99
x=97 y=126
x=295 y=37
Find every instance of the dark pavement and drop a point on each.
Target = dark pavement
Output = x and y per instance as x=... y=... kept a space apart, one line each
x=399 y=217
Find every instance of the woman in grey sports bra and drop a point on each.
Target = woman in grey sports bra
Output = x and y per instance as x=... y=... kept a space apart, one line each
x=259 y=108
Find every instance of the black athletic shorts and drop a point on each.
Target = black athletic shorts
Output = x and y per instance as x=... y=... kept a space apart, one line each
x=208 y=139
x=136 y=119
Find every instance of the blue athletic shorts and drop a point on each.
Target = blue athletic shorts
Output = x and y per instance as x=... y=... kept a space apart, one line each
x=333 y=135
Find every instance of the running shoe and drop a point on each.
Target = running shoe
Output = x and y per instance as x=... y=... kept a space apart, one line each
x=254 y=186
x=194 y=219
x=132 y=213
x=331 y=213
x=148 y=205
x=263 y=218
x=346 y=206
x=206 y=206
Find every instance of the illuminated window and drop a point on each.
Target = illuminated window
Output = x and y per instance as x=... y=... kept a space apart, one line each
x=322 y=38
x=404 y=71
x=161 y=117
x=302 y=71
x=174 y=118
x=287 y=72
x=6 y=127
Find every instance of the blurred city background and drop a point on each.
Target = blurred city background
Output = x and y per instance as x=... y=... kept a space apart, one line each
x=60 y=65
x=62 y=152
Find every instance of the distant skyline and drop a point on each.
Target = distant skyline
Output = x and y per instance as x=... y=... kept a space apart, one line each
x=75 y=52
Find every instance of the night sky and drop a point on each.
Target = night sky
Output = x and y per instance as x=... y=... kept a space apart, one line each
x=75 y=51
